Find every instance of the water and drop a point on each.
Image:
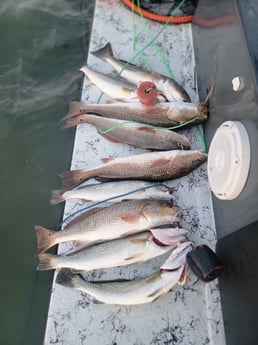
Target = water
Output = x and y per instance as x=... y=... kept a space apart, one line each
x=42 y=45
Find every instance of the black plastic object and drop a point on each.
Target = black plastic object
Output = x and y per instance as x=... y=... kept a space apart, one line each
x=204 y=263
x=166 y=7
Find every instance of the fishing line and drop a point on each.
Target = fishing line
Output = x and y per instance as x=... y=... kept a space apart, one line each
x=158 y=184
x=148 y=126
x=146 y=46
x=159 y=51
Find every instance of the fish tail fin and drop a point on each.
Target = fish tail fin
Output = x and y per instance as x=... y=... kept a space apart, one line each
x=73 y=178
x=103 y=52
x=72 y=121
x=57 y=196
x=75 y=108
x=66 y=278
x=47 y=262
x=44 y=238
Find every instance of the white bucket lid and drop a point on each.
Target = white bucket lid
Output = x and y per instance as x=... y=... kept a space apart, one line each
x=229 y=160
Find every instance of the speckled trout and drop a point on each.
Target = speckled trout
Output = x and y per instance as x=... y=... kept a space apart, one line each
x=136 y=291
x=125 y=251
x=172 y=90
x=135 y=134
x=150 y=166
x=164 y=114
x=116 y=88
x=119 y=220
x=114 y=191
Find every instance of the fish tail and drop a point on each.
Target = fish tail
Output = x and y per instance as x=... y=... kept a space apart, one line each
x=75 y=108
x=71 y=121
x=44 y=238
x=47 y=262
x=57 y=196
x=66 y=277
x=73 y=178
x=103 y=52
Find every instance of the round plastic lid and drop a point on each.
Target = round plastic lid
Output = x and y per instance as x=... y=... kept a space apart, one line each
x=229 y=160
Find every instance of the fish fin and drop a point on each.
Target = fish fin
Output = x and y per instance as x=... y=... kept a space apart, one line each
x=80 y=244
x=157 y=294
x=75 y=108
x=44 y=238
x=130 y=218
x=126 y=90
x=138 y=257
x=65 y=277
x=112 y=139
x=107 y=159
x=47 y=262
x=57 y=196
x=73 y=178
x=97 y=301
x=159 y=162
x=103 y=52
x=76 y=271
x=156 y=76
x=139 y=241
x=71 y=122
x=146 y=129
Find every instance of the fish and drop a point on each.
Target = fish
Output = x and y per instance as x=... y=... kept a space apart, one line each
x=131 y=292
x=150 y=166
x=137 y=135
x=114 y=191
x=120 y=252
x=114 y=87
x=164 y=114
x=172 y=90
x=119 y=220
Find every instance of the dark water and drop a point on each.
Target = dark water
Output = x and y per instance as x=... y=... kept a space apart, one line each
x=42 y=46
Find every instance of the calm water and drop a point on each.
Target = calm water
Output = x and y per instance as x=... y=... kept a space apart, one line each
x=42 y=46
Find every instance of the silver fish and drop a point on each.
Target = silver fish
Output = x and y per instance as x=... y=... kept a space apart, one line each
x=126 y=251
x=115 y=191
x=167 y=86
x=116 y=88
x=164 y=114
x=150 y=166
x=137 y=135
x=131 y=292
x=119 y=220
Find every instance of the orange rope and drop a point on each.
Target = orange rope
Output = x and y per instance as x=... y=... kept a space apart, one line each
x=158 y=17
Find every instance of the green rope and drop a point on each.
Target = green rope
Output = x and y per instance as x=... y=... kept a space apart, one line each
x=159 y=51
x=149 y=126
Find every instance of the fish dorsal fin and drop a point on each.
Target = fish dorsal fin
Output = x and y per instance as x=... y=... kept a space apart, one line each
x=146 y=129
x=138 y=257
x=107 y=159
x=155 y=75
x=130 y=218
x=159 y=161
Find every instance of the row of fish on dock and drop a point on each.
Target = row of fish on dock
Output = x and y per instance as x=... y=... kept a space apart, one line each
x=140 y=222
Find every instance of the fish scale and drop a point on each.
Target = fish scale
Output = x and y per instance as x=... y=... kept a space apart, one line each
x=160 y=114
x=118 y=220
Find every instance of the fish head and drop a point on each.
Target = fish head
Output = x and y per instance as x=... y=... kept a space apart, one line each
x=194 y=159
x=161 y=191
x=175 y=92
x=178 y=257
x=161 y=211
x=182 y=142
